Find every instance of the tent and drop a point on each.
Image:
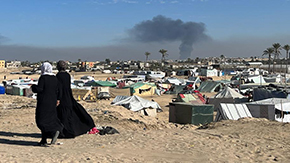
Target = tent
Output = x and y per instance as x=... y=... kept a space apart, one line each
x=174 y=81
x=100 y=83
x=256 y=79
x=264 y=93
x=210 y=86
x=175 y=89
x=227 y=95
x=188 y=98
x=186 y=113
x=232 y=111
x=272 y=108
x=119 y=92
x=136 y=103
x=142 y=89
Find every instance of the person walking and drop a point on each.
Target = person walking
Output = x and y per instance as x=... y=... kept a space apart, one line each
x=73 y=116
x=47 y=100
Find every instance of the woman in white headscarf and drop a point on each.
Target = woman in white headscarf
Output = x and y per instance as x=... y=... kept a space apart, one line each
x=46 y=114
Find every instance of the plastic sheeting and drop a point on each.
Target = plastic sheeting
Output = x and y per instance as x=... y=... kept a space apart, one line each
x=210 y=86
x=273 y=109
x=232 y=111
x=262 y=93
x=227 y=95
x=136 y=103
x=228 y=92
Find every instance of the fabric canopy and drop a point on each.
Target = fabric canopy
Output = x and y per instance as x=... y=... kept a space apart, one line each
x=228 y=92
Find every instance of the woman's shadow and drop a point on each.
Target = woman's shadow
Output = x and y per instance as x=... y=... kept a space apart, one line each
x=19 y=142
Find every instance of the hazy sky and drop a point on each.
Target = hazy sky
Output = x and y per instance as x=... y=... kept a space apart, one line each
x=98 y=29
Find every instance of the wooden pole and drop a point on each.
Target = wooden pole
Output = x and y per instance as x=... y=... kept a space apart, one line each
x=282 y=111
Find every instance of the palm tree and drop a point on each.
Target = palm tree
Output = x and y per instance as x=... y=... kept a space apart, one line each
x=163 y=54
x=287 y=48
x=277 y=48
x=147 y=55
x=269 y=52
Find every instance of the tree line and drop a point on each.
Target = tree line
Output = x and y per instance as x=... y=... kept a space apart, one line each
x=163 y=52
x=275 y=51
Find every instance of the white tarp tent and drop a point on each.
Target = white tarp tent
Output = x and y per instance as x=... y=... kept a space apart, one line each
x=256 y=79
x=272 y=108
x=228 y=92
x=136 y=103
x=232 y=111
x=227 y=95
x=173 y=81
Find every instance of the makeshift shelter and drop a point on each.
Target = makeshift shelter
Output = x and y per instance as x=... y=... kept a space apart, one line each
x=272 y=108
x=173 y=81
x=175 y=89
x=114 y=92
x=210 y=86
x=136 y=103
x=255 y=79
x=188 y=98
x=102 y=92
x=19 y=89
x=100 y=83
x=185 y=113
x=209 y=72
x=232 y=112
x=227 y=95
x=142 y=89
x=265 y=93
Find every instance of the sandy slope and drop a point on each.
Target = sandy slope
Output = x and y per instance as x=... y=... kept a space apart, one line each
x=141 y=138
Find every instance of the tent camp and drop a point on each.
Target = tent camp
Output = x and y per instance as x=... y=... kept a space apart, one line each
x=272 y=108
x=227 y=95
x=136 y=103
x=142 y=89
x=210 y=86
x=232 y=111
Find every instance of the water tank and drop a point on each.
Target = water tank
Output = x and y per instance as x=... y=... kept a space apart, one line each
x=2 y=90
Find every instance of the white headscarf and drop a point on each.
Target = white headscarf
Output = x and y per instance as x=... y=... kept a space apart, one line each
x=46 y=69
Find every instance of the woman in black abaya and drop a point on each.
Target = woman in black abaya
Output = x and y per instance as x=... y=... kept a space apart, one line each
x=72 y=115
x=47 y=96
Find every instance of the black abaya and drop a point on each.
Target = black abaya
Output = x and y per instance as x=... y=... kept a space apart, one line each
x=46 y=114
x=73 y=116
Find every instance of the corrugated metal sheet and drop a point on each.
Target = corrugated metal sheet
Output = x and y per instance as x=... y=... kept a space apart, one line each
x=232 y=111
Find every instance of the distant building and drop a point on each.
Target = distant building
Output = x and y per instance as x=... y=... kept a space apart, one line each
x=254 y=64
x=2 y=63
x=90 y=64
x=141 y=65
x=13 y=64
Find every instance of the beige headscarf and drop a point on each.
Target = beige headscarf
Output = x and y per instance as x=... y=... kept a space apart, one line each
x=46 y=69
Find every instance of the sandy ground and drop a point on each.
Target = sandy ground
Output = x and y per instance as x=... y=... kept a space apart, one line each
x=141 y=138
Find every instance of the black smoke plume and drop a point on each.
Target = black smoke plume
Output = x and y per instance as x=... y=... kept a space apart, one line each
x=161 y=28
